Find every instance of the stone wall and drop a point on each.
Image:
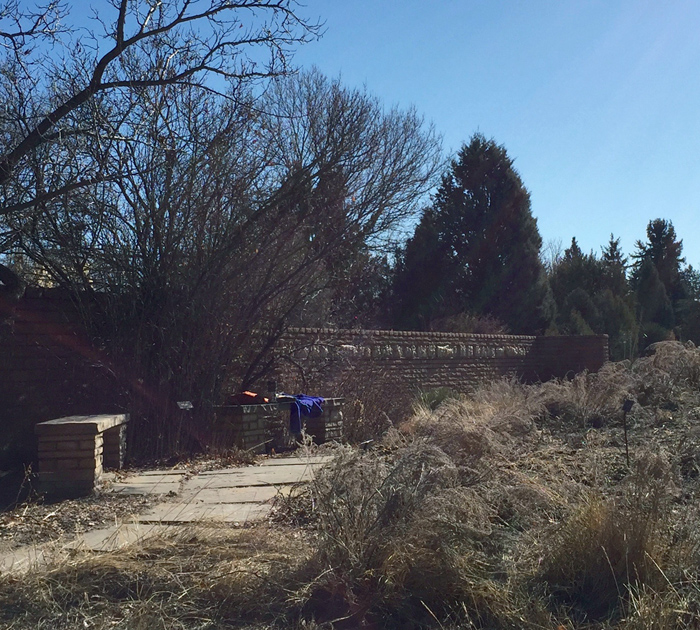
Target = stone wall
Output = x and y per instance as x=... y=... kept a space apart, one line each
x=322 y=359
x=259 y=428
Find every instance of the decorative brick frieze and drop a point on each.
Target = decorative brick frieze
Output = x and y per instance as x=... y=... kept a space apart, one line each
x=420 y=361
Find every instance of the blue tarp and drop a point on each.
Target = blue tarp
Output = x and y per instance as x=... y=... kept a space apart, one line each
x=303 y=405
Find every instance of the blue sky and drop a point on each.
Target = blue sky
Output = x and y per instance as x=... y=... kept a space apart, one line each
x=598 y=102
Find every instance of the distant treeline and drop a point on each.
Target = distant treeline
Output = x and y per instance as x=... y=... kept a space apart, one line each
x=475 y=264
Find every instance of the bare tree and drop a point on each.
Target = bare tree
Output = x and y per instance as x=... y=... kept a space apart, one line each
x=224 y=227
x=383 y=161
x=57 y=83
x=552 y=254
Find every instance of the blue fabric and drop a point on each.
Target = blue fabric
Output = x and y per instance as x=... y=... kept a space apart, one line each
x=303 y=405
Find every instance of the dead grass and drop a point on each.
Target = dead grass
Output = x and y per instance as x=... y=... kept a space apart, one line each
x=589 y=399
x=479 y=430
x=669 y=376
x=670 y=609
x=510 y=508
x=197 y=578
x=399 y=540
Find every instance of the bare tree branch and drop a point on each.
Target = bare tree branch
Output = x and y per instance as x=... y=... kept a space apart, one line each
x=43 y=22
x=196 y=43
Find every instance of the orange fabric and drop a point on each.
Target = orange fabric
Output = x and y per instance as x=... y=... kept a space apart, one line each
x=247 y=398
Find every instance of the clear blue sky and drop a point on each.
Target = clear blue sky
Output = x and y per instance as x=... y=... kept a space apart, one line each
x=597 y=101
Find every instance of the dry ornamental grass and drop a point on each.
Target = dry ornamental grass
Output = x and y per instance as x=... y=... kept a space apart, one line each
x=511 y=507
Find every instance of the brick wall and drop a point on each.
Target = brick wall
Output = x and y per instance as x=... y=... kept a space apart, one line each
x=48 y=369
x=322 y=358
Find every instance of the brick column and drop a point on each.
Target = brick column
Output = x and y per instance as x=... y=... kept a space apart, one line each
x=70 y=460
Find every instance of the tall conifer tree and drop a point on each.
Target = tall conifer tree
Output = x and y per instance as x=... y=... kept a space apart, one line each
x=486 y=244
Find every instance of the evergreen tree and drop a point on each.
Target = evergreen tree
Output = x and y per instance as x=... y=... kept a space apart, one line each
x=420 y=277
x=664 y=251
x=476 y=250
x=690 y=279
x=592 y=297
x=656 y=316
x=573 y=252
x=615 y=267
x=688 y=309
x=575 y=270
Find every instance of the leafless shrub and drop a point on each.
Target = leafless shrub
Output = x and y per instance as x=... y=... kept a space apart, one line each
x=372 y=405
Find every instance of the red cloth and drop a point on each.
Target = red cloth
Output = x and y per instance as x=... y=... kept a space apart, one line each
x=247 y=398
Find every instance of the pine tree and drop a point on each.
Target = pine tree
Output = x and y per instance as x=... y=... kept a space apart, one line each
x=484 y=254
x=655 y=310
x=592 y=297
x=615 y=267
x=420 y=277
x=664 y=251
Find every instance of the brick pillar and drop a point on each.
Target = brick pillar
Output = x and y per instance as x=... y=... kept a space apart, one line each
x=70 y=463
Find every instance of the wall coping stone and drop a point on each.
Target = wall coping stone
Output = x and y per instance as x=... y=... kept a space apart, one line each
x=362 y=332
x=83 y=424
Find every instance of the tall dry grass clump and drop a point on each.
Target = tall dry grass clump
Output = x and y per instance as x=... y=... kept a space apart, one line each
x=488 y=424
x=610 y=546
x=669 y=375
x=399 y=540
x=588 y=399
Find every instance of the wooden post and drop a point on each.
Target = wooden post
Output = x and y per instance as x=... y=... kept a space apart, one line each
x=626 y=407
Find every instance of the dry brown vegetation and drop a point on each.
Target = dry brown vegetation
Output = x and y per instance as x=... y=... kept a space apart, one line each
x=513 y=507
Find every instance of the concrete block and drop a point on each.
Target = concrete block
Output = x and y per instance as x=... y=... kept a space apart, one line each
x=200 y=512
x=81 y=424
x=131 y=488
x=255 y=494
